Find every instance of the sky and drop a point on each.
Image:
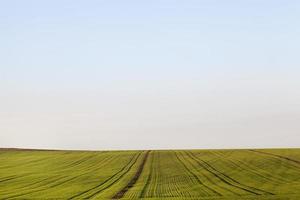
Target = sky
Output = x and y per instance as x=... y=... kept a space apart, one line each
x=165 y=74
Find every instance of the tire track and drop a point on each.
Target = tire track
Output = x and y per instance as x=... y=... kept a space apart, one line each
x=228 y=180
x=239 y=164
x=36 y=189
x=78 y=162
x=208 y=178
x=38 y=182
x=54 y=185
x=120 y=177
x=28 y=186
x=143 y=192
x=275 y=155
x=8 y=179
x=27 y=162
x=134 y=159
x=196 y=177
x=136 y=176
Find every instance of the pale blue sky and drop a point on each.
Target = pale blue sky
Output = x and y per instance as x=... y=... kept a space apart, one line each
x=149 y=74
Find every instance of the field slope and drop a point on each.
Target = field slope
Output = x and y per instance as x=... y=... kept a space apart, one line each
x=170 y=174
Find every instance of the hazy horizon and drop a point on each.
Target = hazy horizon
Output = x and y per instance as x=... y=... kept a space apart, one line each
x=149 y=75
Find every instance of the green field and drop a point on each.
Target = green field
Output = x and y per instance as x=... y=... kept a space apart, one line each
x=174 y=174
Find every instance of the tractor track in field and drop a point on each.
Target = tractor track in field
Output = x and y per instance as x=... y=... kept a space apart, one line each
x=29 y=162
x=275 y=155
x=116 y=180
x=143 y=192
x=134 y=179
x=207 y=177
x=134 y=159
x=8 y=178
x=79 y=161
x=238 y=164
x=196 y=177
x=156 y=174
x=228 y=180
x=52 y=186
x=33 y=190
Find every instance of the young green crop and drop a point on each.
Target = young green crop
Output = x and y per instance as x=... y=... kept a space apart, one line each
x=173 y=174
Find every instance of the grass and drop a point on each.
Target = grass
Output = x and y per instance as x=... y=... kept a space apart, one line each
x=173 y=174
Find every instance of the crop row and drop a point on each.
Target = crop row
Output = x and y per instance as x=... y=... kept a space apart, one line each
x=191 y=174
